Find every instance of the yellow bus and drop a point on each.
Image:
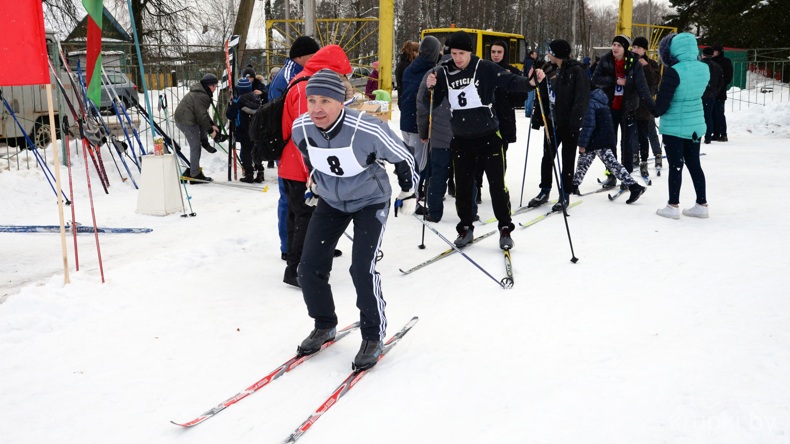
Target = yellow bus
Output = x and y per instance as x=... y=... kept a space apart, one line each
x=482 y=40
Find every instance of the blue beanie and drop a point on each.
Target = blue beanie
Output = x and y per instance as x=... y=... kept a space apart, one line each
x=244 y=86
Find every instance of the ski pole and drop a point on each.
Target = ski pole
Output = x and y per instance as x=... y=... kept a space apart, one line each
x=452 y=245
x=574 y=259
x=430 y=171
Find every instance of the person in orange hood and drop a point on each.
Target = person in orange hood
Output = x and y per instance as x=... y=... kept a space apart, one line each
x=292 y=169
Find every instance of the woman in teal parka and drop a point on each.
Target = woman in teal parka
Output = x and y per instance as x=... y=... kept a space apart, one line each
x=679 y=104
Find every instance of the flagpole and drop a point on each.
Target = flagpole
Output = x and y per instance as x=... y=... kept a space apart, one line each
x=142 y=70
x=53 y=139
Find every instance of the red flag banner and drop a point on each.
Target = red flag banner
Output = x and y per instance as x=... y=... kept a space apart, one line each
x=23 y=44
x=93 y=60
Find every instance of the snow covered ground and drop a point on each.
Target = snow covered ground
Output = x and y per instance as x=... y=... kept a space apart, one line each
x=664 y=331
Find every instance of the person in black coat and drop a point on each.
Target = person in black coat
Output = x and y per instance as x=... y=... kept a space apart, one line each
x=719 y=119
x=571 y=91
x=408 y=53
x=241 y=110
x=504 y=107
x=645 y=122
x=623 y=80
x=711 y=92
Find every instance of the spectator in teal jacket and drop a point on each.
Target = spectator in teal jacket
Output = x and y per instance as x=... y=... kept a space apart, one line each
x=679 y=104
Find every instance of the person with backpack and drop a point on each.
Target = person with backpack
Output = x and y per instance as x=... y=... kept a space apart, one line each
x=345 y=149
x=302 y=49
x=292 y=169
x=241 y=110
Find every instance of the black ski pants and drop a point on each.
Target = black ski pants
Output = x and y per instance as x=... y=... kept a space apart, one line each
x=467 y=155
x=325 y=229
x=299 y=214
x=568 y=140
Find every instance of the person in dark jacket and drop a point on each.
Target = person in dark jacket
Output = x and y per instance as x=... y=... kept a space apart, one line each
x=504 y=106
x=430 y=52
x=622 y=78
x=193 y=120
x=469 y=83
x=597 y=139
x=408 y=53
x=241 y=110
x=570 y=91
x=719 y=119
x=645 y=122
x=529 y=63
x=436 y=124
x=711 y=92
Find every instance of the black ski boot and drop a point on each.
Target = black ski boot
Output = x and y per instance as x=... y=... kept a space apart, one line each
x=561 y=204
x=368 y=355
x=505 y=241
x=636 y=191
x=247 y=178
x=540 y=199
x=314 y=341
x=465 y=236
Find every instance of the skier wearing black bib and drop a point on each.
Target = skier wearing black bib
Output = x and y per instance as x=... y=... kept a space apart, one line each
x=469 y=83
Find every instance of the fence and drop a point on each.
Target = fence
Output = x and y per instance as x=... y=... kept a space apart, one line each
x=759 y=78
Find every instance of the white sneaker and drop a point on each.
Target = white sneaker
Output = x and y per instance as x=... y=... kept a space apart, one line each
x=696 y=211
x=669 y=211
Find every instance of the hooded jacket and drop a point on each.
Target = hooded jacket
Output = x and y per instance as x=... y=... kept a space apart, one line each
x=635 y=88
x=597 y=128
x=192 y=110
x=430 y=52
x=572 y=93
x=292 y=166
x=438 y=120
x=679 y=100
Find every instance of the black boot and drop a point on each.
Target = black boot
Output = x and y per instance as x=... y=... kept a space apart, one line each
x=247 y=178
x=259 y=176
x=636 y=191
x=540 y=199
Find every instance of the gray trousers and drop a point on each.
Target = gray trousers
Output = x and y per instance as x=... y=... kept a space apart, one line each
x=192 y=134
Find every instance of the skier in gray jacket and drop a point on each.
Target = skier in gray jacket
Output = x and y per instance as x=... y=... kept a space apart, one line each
x=345 y=151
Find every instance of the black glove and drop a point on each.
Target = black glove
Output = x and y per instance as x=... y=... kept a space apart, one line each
x=536 y=123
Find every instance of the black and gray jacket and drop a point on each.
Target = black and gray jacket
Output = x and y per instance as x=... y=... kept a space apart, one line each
x=350 y=184
x=479 y=121
x=439 y=121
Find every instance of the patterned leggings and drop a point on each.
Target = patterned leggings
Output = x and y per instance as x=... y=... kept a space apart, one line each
x=608 y=159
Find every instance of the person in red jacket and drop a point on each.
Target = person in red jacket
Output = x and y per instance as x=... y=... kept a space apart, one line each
x=292 y=169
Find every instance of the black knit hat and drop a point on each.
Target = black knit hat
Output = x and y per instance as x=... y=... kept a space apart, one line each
x=641 y=42
x=708 y=51
x=209 y=79
x=560 y=49
x=326 y=83
x=623 y=40
x=718 y=47
x=460 y=40
x=302 y=46
x=248 y=72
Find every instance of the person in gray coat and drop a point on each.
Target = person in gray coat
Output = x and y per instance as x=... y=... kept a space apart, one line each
x=193 y=120
x=441 y=158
